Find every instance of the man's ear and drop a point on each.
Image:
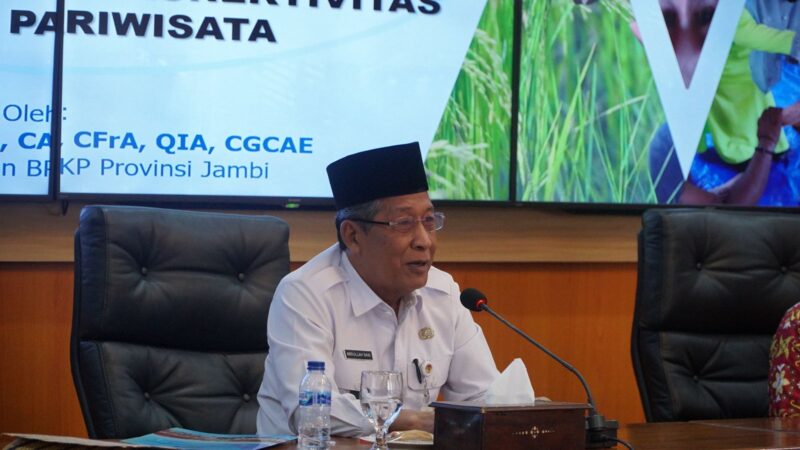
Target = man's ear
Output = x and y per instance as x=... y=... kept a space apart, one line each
x=351 y=235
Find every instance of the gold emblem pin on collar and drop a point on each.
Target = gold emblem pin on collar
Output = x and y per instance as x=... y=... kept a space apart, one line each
x=425 y=333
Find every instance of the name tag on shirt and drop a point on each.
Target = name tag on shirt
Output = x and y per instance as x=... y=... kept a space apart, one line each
x=358 y=354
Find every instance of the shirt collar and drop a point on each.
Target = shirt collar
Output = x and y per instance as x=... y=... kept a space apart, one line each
x=362 y=297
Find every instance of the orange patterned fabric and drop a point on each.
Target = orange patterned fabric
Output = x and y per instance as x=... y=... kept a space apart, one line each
x=784 y=366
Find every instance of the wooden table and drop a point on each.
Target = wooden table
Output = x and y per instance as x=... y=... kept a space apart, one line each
x=775 y=433
x=764 y=433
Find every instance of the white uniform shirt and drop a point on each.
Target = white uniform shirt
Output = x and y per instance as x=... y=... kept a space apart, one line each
x=324 y=311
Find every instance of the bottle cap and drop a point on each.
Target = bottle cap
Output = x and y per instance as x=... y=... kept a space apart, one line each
x=316 y=365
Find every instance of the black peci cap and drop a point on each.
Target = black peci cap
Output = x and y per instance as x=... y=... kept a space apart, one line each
x=378 y=173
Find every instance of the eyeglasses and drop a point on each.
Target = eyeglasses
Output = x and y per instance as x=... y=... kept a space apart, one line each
x=431 y=222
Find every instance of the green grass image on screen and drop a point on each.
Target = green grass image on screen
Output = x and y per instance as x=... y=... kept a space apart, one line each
x=469 y=156
x=588 y=105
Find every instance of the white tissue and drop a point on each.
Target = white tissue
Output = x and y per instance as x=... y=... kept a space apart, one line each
x=512 y=387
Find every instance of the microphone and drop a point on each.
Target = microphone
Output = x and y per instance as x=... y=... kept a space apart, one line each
x=600 y=433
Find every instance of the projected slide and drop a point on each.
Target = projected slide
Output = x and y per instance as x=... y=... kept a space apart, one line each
x=588 y=105
x=470 y=157
x=642 y=101
x=26 y=80
x=257 y=98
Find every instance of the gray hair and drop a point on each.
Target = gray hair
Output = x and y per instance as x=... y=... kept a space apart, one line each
x=367 y=210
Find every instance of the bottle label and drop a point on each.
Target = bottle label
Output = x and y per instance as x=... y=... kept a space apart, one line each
x=323 y=398
x=308 y=398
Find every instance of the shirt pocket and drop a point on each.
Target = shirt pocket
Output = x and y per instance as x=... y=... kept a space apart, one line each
x=433 y=372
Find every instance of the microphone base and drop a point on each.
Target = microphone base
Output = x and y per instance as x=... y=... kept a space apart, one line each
x=600 y=433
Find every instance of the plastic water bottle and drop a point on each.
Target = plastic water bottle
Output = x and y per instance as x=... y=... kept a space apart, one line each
x=314 y=428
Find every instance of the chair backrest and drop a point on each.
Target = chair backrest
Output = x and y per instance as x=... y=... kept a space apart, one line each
x=712 y=287
x=169 y=317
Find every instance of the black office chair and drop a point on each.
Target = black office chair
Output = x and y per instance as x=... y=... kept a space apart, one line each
x=169 y=318
x=712 y=287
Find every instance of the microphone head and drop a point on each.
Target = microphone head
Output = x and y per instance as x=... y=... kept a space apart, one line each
x=473 y=299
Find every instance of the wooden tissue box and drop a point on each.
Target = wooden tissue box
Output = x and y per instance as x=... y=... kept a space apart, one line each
x=545 y=425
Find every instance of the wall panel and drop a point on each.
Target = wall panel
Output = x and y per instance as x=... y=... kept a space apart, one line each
x=582 y=312
x=36 y=390
x=39 y=232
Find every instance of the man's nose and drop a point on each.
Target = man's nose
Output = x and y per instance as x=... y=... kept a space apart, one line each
x=423 y=238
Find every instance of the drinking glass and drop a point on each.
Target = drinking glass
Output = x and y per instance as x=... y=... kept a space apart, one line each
x=381 y=400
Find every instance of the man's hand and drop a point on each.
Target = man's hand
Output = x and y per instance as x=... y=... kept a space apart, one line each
x=413 y=420
x=769 y=128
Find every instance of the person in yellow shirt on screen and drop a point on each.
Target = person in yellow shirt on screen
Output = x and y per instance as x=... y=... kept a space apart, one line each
x=725 y=169
x=739 y=102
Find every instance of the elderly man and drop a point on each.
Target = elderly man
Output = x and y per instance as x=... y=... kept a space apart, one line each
x=374 y=302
